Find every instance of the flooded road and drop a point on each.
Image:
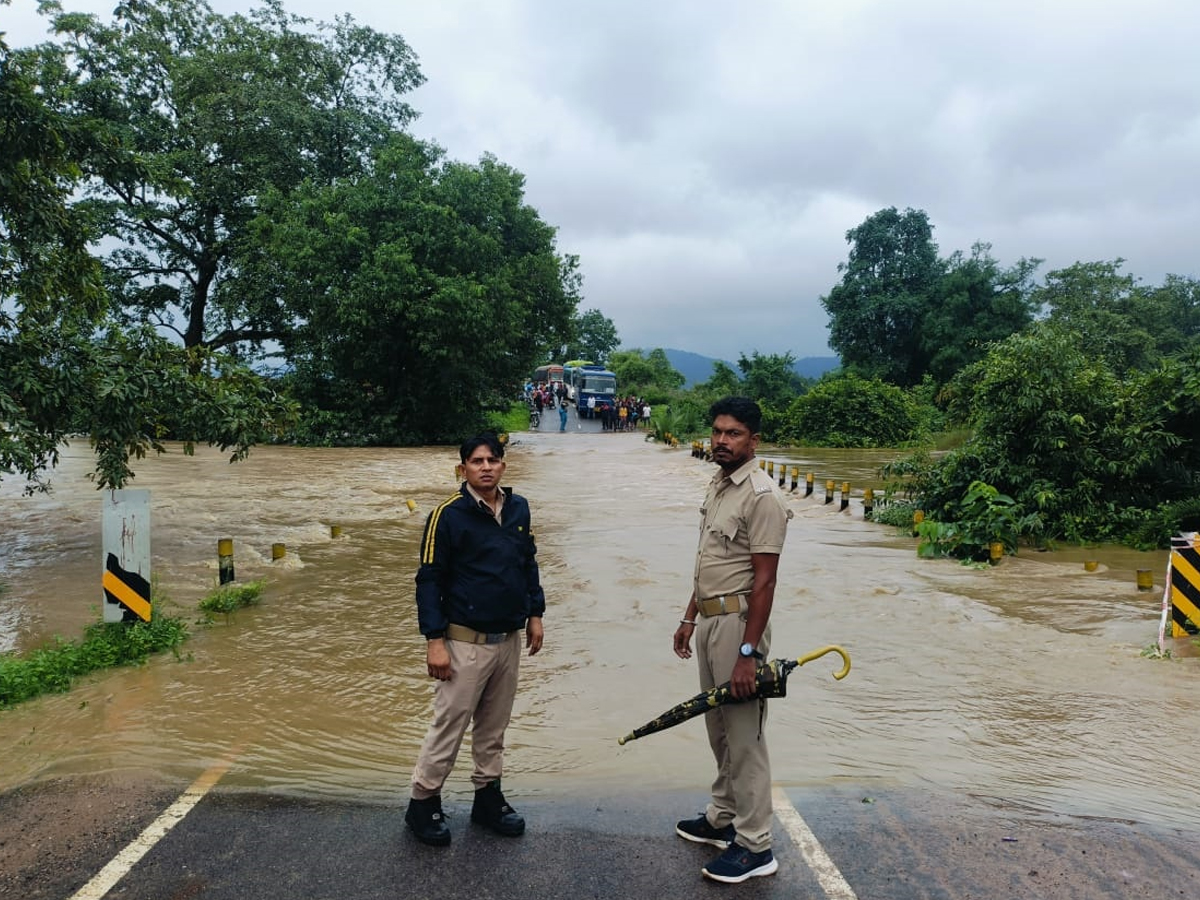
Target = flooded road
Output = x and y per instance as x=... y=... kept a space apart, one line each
x=1022 y=682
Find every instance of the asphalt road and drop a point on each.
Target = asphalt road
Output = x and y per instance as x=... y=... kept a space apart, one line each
x=838 y=843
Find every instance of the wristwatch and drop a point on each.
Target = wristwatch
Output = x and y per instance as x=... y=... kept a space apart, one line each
x=748 y=650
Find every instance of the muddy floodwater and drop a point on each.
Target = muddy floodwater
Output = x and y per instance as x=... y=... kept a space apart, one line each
x=1024 y=682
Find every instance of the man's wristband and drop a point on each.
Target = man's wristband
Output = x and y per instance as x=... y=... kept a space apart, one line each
x=691 y=622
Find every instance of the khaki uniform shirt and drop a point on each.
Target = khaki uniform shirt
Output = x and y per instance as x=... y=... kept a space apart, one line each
x=743 y=513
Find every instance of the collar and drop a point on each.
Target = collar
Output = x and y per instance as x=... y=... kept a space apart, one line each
x=501 y=495
x=740 y=474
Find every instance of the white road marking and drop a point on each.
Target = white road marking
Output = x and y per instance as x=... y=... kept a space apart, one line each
x=831 y=880
x=119 y=866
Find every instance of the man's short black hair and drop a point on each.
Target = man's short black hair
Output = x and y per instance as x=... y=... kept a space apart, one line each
x=488 y=438
x=743 y=409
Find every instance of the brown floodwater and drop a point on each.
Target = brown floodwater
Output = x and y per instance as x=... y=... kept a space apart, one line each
x=1024 y=681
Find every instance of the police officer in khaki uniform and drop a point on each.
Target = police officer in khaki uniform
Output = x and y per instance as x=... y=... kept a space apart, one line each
x=743 y=525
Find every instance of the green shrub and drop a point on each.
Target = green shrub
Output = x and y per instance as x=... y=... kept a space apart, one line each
x=52 y=669
x=230 y=597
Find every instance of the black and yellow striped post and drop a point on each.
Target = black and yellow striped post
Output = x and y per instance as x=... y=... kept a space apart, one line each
x=125 y=578
x=808 y=484
x=782 y=474
x=225 y=560
x=278 y=551
x=1185 y=585
x=829 y=491
x=868 y=503
x=795 y=473
x=845 y=496
x=770 y=468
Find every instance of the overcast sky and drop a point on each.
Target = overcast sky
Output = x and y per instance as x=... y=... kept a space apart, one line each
x=705 y=159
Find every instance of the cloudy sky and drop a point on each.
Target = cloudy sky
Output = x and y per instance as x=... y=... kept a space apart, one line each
x=705 y=159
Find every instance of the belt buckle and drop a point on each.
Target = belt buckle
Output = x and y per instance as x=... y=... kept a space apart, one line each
x=496 y=637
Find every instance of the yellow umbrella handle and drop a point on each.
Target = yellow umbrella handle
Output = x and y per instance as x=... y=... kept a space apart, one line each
x=832 y=648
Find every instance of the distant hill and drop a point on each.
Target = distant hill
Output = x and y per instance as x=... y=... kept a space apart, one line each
x=696 y=368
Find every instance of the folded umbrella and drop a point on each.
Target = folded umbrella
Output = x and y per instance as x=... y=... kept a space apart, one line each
x=770 y=680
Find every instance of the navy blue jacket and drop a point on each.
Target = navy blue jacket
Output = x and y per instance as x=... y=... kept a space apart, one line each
x=476 y=572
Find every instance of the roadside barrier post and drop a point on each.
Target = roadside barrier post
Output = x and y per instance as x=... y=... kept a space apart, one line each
x=278 y=551
x=795 y=473
x=868 y=503
x=918 y=518
x=225 y=560
x=829 y=491
x=845 y=496
x=782 y=474
x=125 y=552
x=1183 y=576
x=808 y=484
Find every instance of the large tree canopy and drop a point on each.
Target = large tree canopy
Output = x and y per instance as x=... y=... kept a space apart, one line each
x=197 y=116
x=876 y=312
x=594 y=338
x=427 y=291
x=63 y=367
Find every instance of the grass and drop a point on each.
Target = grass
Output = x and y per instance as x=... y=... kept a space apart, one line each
x=230 y=597
x=515 y=419
x=105 y=645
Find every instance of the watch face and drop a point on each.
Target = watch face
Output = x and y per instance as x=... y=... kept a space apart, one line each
x=747 y=650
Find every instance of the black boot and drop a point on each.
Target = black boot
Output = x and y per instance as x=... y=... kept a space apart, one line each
x=426 y=820
x=492 y=810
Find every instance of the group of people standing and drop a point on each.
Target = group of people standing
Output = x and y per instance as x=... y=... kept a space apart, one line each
x=625 y=414
x=478 y=590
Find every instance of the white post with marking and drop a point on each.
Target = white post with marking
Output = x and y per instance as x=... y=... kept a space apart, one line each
x=125 y=553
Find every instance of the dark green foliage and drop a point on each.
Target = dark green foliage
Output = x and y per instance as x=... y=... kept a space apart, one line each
x=1089 y=453
x=967 y=528
x=54 y=668
x=647 y=375
x=849 y=411
x=876 y=311
x=426 y=292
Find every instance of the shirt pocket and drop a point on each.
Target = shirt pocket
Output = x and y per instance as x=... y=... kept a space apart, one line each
x=722 y=531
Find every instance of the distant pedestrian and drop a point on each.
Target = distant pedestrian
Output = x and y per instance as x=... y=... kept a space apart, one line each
x=562 y=416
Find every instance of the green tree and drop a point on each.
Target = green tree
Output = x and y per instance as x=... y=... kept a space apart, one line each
x=888 y=284
x=64 y=368
x=595 y=337
x=197 y=117
x=427 y=292
x=974 y=303
x=1132 y=326
x=724 y=382
x=1097 y=301
x=770 y=378
x=1076 y=444
x=647 y=375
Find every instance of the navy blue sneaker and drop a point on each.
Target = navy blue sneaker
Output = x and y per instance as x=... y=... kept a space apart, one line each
x=737 y=864
x=700 y=831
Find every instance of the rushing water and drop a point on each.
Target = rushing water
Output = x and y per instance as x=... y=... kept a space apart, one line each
x=1024 y=681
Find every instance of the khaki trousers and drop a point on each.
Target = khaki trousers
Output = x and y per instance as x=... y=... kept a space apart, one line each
x=481 y=690
x=741 y=792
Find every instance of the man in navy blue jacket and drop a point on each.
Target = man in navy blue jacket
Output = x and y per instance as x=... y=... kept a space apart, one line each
x=477 y=588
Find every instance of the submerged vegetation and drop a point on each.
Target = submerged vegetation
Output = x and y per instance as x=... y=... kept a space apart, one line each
x=105 y=645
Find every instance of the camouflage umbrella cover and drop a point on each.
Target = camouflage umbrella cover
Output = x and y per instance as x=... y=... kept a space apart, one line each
x=771 y=681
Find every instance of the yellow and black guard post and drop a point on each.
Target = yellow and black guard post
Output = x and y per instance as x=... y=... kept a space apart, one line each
x=129 y=589
x=1185 y=585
